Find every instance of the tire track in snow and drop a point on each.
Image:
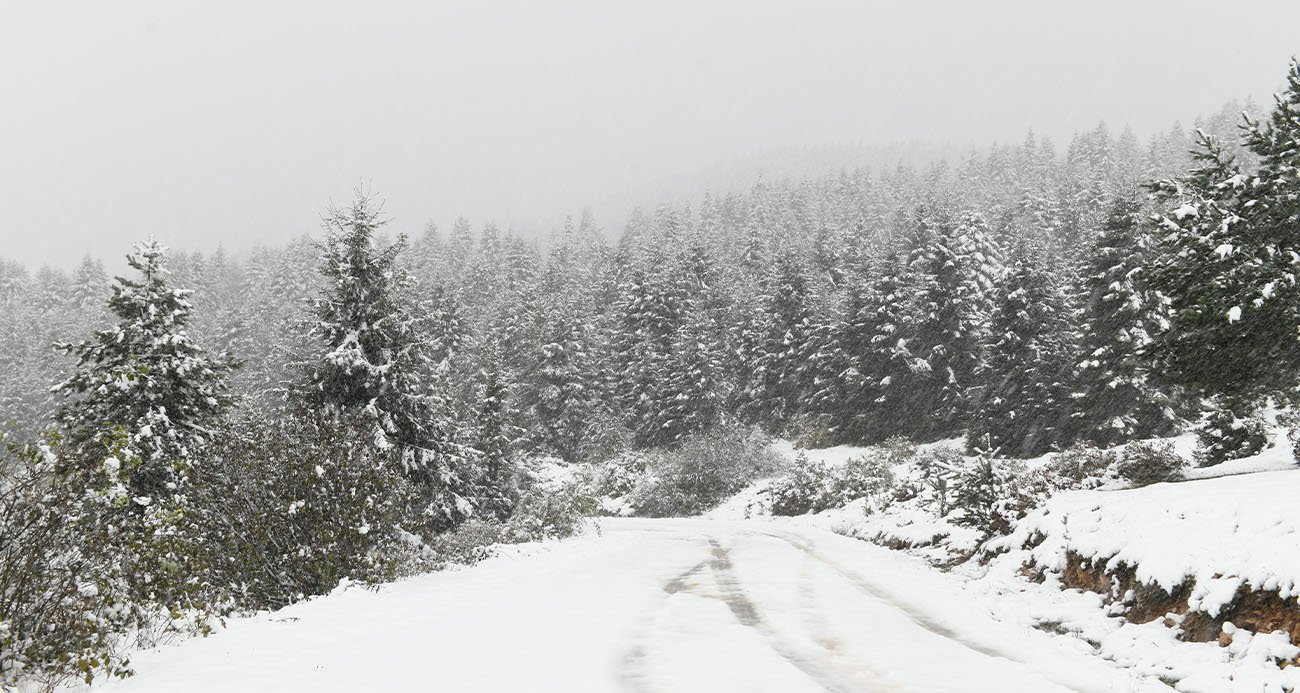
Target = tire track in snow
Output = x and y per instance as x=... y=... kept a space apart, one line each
x=746 y=612
x=916 y=615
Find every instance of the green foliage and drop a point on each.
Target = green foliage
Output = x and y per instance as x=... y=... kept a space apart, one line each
x=704 y=470
x=815 y=486
x=1228 y=247
x=1144 y=463
x=1227 y=435
x=285 y=508
x=980 y=492
x=144 y=374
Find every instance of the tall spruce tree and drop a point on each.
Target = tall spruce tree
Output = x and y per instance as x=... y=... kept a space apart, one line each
x=1115 y=398
x=146 y=375
x=378 y=357
x=942 y=329
x=1228 y=246
x=1024 y=394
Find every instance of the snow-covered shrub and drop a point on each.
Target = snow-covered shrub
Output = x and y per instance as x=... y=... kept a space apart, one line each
x=69 y=547
x=702 y=471
x=804 y=490
x=1083 y=466
x=289 y=507
x=815 y=486
x=977 y=489
x=550 y=512
x=928 y=479
x=1142 y=464
x=1226 y=436
x=808 y=431
x=619 y=476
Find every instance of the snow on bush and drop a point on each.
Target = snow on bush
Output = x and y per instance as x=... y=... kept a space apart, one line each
x=690 y=478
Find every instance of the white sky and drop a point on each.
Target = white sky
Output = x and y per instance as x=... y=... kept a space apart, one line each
x=237 y=122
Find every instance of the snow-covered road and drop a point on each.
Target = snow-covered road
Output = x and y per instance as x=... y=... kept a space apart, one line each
x=647 y=605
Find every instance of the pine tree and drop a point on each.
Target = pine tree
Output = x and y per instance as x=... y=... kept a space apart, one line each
x=1229 y=250
x=1023 y=392
x=495 y=438
x=1116 y=399
x=379 y=357
x=780 y=376
x=145 y=374
x=942 y=330
x=880 y=369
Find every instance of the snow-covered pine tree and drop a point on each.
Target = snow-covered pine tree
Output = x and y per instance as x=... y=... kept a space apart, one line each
x=495 y=439
x=1229 y=250
x=146 y=375
x=1115 y=398
x=877 y=366
x=378 y=357
x=1023 y=393
x=780 y=372
x=558 y=394
x=942 y=329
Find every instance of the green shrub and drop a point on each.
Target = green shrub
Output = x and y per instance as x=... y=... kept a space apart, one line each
x=815 y=486
x=289 y=507
x=702 y=471
x=804 y=490
x=70 y=543
x=1225 y=436
x=1150 y=463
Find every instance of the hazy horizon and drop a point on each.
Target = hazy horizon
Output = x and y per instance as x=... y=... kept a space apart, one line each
x=237 y=124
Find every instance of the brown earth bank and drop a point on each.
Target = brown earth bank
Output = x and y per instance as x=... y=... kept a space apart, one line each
x=1255 y=610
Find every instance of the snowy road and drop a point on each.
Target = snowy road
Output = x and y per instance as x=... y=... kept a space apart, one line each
x=649 y=605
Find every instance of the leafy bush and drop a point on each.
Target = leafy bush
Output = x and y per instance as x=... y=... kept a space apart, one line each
x=619 y=476
x=702 y=471
x=814 y=486
x=1150 y=463
x=1225 y=436
x=82 y=562
x=1083 y=466
x=50 y=598
x=550 y=511
x=287 y=508
x=929 y=479
x=805 y=489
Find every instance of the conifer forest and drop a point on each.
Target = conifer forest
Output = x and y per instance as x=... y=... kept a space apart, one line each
x=1060 y=374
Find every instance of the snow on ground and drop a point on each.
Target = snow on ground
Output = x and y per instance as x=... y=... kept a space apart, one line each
x=647 y=605
x=1221 y=532
x=1232 y=524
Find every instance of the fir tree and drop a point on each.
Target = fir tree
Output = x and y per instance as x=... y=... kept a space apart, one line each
x=145 y=375
x=1229 y=251
x=1023 y=393
x=1115 y=398
x=379 y=357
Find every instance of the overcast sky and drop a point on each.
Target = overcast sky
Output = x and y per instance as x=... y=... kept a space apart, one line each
x=238 y=122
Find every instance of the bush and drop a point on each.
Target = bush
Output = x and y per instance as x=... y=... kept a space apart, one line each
x=977 y=492
x=701 y=472
x=930 y=478
x=1150 y=463
x=287 y=508
x=1225 y=436
x=74 y=552
x=805 y=489
x=1083 y=466
x=814 y=486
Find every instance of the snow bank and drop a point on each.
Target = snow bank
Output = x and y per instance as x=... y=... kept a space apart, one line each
x=1222 y=533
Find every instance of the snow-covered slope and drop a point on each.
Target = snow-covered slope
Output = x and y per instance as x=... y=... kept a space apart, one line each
x=1221 y=533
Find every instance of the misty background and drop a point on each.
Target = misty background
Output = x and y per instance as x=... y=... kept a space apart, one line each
x=236 y=124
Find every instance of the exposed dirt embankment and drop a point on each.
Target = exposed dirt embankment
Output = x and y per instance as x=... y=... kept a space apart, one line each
x=1260 y=611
